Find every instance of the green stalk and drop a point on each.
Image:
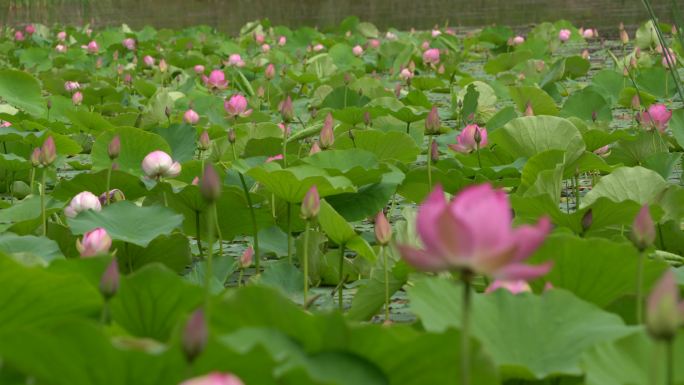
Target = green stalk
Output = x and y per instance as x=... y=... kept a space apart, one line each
x=289 y=232
x=252 y=214
x=465 y=328
x=197 y=232
x=109 y=181
x=209 y=262
x=669 y=361
x=42 y=202
x=305 y=261
x=33 y=177
x=218 y=230
x=408 y=127
x=640 y=288
x=340 y=292
x=477 y=150
x=383 y=252
x=429 y=163
x=577 y=193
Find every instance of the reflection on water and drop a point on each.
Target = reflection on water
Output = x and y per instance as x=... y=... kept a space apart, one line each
x=230 y=15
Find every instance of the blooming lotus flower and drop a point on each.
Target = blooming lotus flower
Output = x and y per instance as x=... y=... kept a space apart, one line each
x=81 y=202
x=30 y=29
x=587 y=33
x=656 y=117
x=665 y=310
x=468 y=139
x=216 y=79
x=473 y=233
x=198 y=69
x=129 y=44
x=214 y=379
x=148 y=60
x=274 y=158
x=95 y=242
x=93 y=47
x=237 y=106
x=431 y=56
x=71 y=86
x=357 y=50
x=235 y=60
x=19 y=36
x=158 y=164
x=190 y=116
x=282 y=41
x=61 y=36
x=564 y=35
x=259 y=38
x=60 y=48
x=265 y=48
x=514 y=287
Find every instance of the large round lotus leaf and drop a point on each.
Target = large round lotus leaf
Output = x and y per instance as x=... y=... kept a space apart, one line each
x=135 y=145
x=541 y=102
x=628 y=183
x=530 y=135
x=22 y=91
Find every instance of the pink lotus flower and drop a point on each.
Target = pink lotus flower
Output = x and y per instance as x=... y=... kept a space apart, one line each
x=564 y=35
x=214 y=379
x=431 y=56
x=318 y=47
x=436 y=33
x=247 y=257
x=19 y=36
x=468 y=139
x=163 y=67
x=311 y=204
x=383 y=229
x=665 y=309
x=158 y=164
x=656 y=117
x=237 y=106
x=588 y=33
x=259 y=38
x=518 y=40
x=473 y=232
x=77 y=98
x=190 y=116
x=514 y=287
x=269 y=72
x=216 y=79
x=71 y=86
x=282 y=41
x=129 y=43
x=405 y=74
x=357 y=50
x=94 y=243
x=603 y=151
x=93 y=47
x=327 y=135
x=672 y=57
x=61 y=36
x=60 y=48
x=198 y=69
x=643 y=229
x=148 y=60
x=274 y=158
x=235 y=60
x=265 y=48
x=374 y=43
x=48 y=152
x=425 y=46
x=315 y=148
x=81 y=202
x=30 y=29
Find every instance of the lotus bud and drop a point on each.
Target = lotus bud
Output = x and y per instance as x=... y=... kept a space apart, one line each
x=35 y=157
x=190 y=116
x=397 y=90
x=128 y=79
x=148 y=60
x=637 y=52
x=594 y=116
x=434 y=152
x=287 y=110
x=198 y=68
x=83 y=201
x=231 y=136
x=163 y=67
x=214 y=378
x=282 y=41
x=261 y=92
x=636 y=103
x=367 y=120
x=61 y=48
x=159 y=164
x=603 y=151
x=624 y=37
x=357 y=50
x=327 y=136
x=585 y=54
x=109 y=282
x=315 y=148
x=247 y=257
x=77 y=98
x=61 y=36
x=431 y=56
x=311 y=204
x=210 y=184
x=48 y=152
x=383 y=229
x=665 y=311
x=195 y=335
x=93 y=47
x=114 y=147
x=95 y=242
x=237 y=106
x=587 y=220
x=643 y=229
x=432 y=122
x=195 y=181
x=564 y=35
x=528 y=110
x=204 y=141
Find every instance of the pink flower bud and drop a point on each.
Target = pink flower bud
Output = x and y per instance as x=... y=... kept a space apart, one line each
x=114 y=195
x=468 y=139
x=518 y=40
x=61 y=36
x=235 y=60
x=269 y=72
x=210 y=184
x=204 y=141
x=81 y=202
x=665 y=310
x=259 y=38
x=77 y=98
x=232 y=136
x=318 y=47
x=60 y=48
x=431 y=56
x=274 y=158
x=94 y=243
x=405 y=74
x=327 y=136
x=434 y=152
x=30 y=29
x=109 y=282
x=129 y=44
x=282 y=41
x=214 y=379
x=191 y=117
x=19 y=36
x=311 y=204
x=564 y=35
x=603 y=151
x=148 y=60
x=198 y=69
x=114 y=147
x=71 y=86
x=93 y=47
x=287 y=109
x=528 y=110
x=432 y=122
x=315 y=148
x=159 y=164
x=247 y=257
x=643 y=229
x=195 y=335
x=357 y=50
x=436 y=33
x=383 y=229
x=35 y=157
x=163 y=67
x=216 y=79
x=265 y=48
x=48 y=152
x=237 y=106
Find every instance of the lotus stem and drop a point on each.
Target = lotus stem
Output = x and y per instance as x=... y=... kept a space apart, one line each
x=109 y=182
x=289 y=232
x=669 y=361
x=42 y=202
x=466 y=277
x=340 y=292
x=218 y=230
x=252 y=214
x=210 y=253
x=305 y=260
x=640 y=289
x=198 y=232
x=477 y=150
x=385 y=258
x=429 y=163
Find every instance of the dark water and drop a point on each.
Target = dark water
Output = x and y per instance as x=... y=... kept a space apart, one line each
x=230 y=15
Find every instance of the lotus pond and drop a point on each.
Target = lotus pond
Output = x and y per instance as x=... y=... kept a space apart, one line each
x=341 y=206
